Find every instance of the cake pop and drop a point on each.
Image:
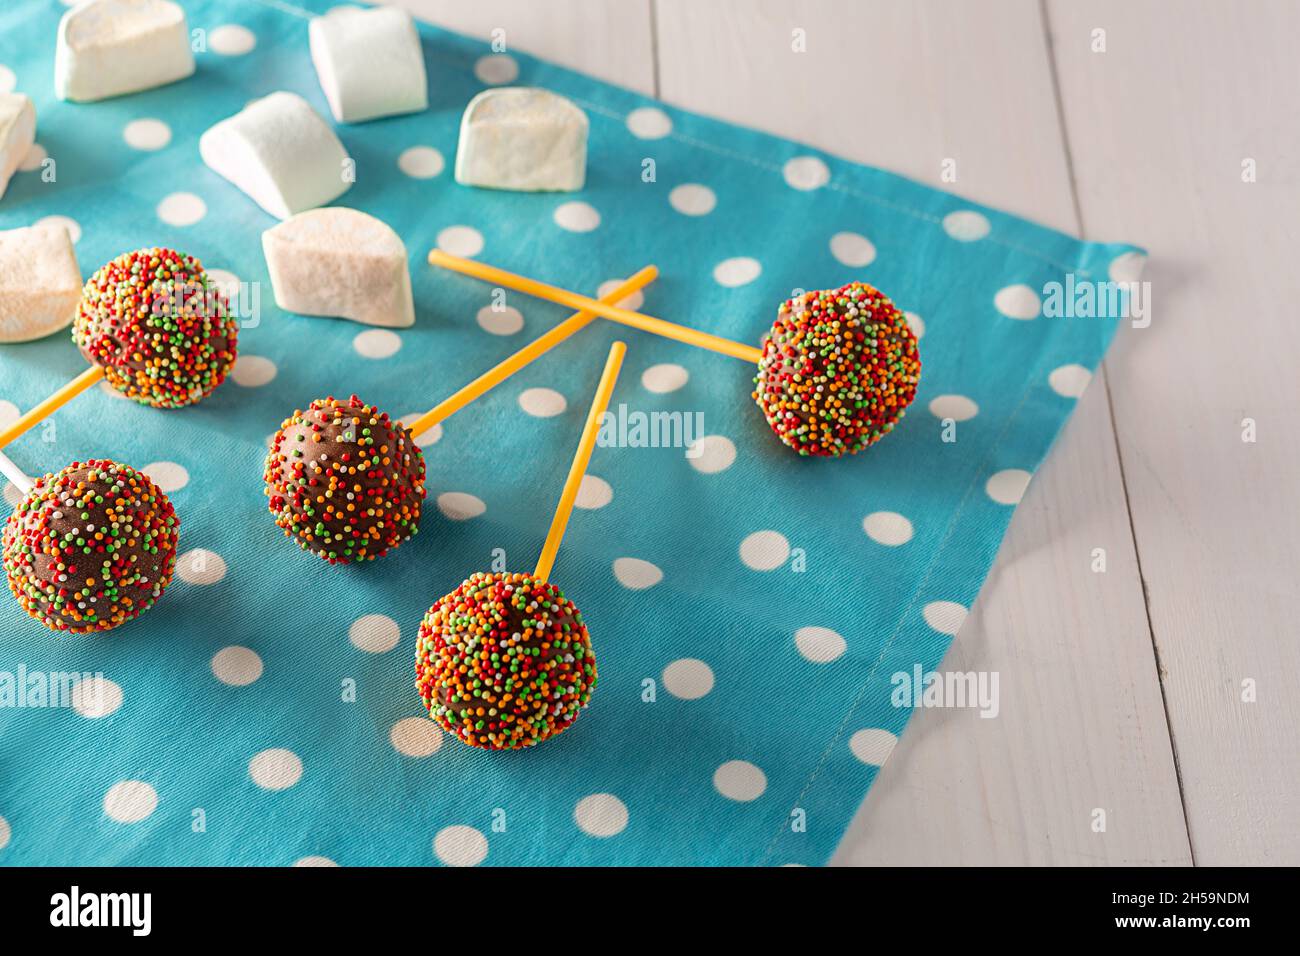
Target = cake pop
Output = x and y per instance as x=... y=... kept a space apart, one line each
x=504 y=661
x=835 y=373
x=90 y=547
x=347 y=481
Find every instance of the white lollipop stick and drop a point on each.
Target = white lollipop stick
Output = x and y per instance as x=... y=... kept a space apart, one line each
x=15 y=474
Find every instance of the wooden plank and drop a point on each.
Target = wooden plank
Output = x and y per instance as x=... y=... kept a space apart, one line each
x=1160 y=125
x=906 y=86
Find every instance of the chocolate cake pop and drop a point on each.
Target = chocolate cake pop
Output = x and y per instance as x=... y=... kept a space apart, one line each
x=838 y=369
x=158 y=326
x=90 y=547
x=504 y=661
x=345 y=480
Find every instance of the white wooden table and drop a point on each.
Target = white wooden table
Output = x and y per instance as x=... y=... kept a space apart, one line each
x=1162 y=691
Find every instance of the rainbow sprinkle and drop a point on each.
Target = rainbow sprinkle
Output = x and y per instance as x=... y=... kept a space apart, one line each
x=504 y=661
x=90 y=547
x=838 y=370
x=158 y=326
x=345 y=480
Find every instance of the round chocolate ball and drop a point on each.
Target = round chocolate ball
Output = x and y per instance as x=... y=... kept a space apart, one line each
x=838 y=370
x=90 y=547
x=158 y=326
x=504 y=661
x=345 y=480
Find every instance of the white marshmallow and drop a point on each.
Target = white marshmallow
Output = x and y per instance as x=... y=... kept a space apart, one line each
x=341 y=262
x=40 y=282
x=369 y=62
x=17 y=133
x=111 y=47
x=279 y=151
x=528 y=140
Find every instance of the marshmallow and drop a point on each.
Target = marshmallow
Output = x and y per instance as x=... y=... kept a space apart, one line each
x=110 y=47
x=341 y=262
x=17 y=133
x=279 y=151
x=369 y=62
x=528 y=140
x=40 y=282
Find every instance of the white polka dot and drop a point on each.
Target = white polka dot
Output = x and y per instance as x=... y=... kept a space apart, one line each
x=852 y=249
x=1127 y=266
x=593 y=493
x=1069 y=380
x=8 y=413
x=946 y=617
x=957 y=407
x=635 y=574
x=374 y=633
x=542 y=402
x=421 y=162
x=736 y=272
x=96 y=697
x=740 y=780
x=147 y=134
x=377 y=343
x=764 y=550
x=251 y=371
x=425 y=438
x=649 y=122
x=200 y=566
x=4 y=833
x=182 y=209
x=67 y=222
x=806 y=172
x=664 y=378
x=1018 y=302
x=820 y=645
x=506 y=320
x=13 y=494
x=167 y=475
x=496 y=68
x=888 y=528
x=130 y=801
x=460 y=846
x=236 y=666
x=275 y=769
x=459 y=506
x=463 y=241
x=227 y=283
x=915 y=323
x=415 y=737
x=966 y=225
x=7 y=79
x=688 y=678
x=633 y=300
x=601 y=815
x=32 y=159
x=693 y=199
x=711 y=454
x=872 y=745
x=231 y=40
x=315 y=861
x=1008 y=487
x=577 y=217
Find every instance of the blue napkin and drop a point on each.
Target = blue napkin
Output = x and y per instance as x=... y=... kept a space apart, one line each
x=748 y=608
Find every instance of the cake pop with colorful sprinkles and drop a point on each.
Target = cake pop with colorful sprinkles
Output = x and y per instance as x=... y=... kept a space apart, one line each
x=158 y=326
x=345 y=480
x=838 y=370
x=90 y=547
x=504 y=661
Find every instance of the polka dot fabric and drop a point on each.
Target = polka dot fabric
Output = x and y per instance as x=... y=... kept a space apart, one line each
x=720 y=575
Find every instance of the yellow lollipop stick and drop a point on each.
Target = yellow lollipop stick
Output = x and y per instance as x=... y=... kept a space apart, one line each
x=514 y=363
x=580 y=460
x=646 y=323
x=60 y=398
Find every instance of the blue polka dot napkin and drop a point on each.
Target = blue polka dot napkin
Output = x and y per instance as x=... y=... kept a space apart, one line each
x=748 y=607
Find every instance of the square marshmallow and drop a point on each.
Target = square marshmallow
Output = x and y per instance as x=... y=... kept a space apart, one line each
x=529 y=140
x=111 y=47
x=17 y=134
x=40 y=282
x=369 y=63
